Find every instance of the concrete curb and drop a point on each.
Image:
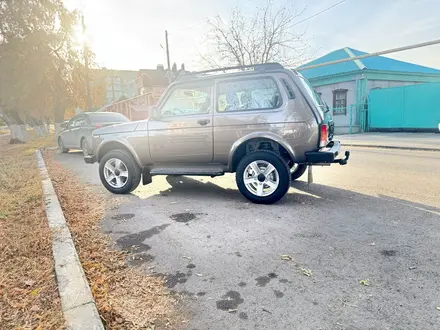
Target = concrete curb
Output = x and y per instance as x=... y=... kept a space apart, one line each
x=389 y=147
x=77 y=302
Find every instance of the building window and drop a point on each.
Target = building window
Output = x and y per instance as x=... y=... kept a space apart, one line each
x=340 y=102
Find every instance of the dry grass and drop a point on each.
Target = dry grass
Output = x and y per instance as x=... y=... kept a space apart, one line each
x=28 y=291
x=126 y=298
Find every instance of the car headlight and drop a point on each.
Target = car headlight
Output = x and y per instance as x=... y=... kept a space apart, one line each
x=96 y=136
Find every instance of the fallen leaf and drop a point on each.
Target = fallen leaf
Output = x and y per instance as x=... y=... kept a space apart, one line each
x=35 y=291
x=29 y=282
x=34 y=308
x=306 y=272
x=286 y=257
x=365 y=282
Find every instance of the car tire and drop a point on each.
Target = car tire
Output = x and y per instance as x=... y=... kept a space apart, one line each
x=277 y=183
x=85 y=147
x=298 y=172
x=61 y=146
x=126 y=163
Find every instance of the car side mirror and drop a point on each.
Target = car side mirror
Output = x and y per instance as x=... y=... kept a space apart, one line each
x=63 y=125
x=155 y=112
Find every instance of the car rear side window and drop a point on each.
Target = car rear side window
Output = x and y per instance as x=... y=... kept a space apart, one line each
x=96 y=118
x=288 y=88
x=248 y=94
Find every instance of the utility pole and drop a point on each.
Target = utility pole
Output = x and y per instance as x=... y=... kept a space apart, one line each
x=167 y=49
x=86 y=64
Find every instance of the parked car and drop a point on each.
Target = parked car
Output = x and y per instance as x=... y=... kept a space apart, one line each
x=77 y=133
x=263 y=122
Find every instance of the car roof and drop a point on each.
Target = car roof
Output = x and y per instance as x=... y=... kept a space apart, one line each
x=229 y=72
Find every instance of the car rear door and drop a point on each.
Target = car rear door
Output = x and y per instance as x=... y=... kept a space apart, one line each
x=182 y=131
x=67 y=134
x=77 y=131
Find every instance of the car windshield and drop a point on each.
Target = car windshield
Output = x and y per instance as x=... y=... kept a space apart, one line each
x=313 y=96
x=110 y=117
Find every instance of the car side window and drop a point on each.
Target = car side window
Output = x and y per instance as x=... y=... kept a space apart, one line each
x=80 y=122
x=248 y=94
x=187 y=101
x=72 y=123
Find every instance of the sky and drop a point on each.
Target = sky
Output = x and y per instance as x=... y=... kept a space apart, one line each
x=130 y=34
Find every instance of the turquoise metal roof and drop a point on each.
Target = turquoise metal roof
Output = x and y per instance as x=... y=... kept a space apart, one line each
x=378 y=63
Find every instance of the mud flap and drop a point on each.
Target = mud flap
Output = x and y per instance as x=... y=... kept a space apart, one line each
x=146 y=177
x=310 y=175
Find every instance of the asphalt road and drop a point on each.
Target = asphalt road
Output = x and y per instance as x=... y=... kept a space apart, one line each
x=376 y=219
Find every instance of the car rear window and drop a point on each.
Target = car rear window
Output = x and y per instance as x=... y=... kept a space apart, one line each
x=248 y=94
x=97 y=118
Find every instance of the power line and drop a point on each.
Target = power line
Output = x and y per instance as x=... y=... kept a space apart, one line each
x=318 y=13
x=204 y=22
x=388 y=51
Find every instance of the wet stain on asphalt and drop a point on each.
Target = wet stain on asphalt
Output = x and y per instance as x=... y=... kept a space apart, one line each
x=242 y=284
x=230 y=300
x=127 y=242
x=120 y=232
x=243 y=316
x=172 y=280
x=284 y=281
x=278 y=294
x=139 y=259
x=388 y=253
x=201 y=294
x=238 y=254
x=308 y=235
x=191 y=266
x=263 y=280
x=185 y=217
x=122 y=217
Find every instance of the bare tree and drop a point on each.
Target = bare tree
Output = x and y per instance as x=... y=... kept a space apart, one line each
x=267 y=35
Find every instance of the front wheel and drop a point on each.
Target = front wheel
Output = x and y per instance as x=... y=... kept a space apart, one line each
x=297 y=170
x=263 y=177
x=119 y=172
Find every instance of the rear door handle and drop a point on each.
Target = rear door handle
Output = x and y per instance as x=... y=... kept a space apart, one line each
x=203 y=122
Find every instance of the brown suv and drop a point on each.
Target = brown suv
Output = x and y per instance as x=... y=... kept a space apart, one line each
x=263 y=122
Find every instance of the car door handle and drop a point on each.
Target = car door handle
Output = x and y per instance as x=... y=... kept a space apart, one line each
x=203 y=122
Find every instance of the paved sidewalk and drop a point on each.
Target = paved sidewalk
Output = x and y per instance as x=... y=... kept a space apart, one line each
x=411 y=141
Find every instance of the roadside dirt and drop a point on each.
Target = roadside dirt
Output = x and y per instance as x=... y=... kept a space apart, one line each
x=126 y=298
x=28 y=290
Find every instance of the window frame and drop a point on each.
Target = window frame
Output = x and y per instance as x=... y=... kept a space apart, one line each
x=288 y=89
x=187 y=85
x=335 y=92
x=217 y=89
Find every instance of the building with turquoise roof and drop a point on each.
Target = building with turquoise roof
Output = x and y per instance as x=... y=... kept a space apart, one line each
x=345 y=86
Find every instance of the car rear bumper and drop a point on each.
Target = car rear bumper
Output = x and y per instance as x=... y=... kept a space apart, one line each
x=327 y=155
x=90 y=159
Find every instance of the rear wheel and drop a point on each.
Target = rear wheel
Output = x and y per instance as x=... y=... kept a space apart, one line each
x=61 y=146
x=263 y=177
x=119 y=172
x=85 y=147
x=297 y=170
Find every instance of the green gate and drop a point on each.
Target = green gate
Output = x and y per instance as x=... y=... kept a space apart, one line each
x=415 y=107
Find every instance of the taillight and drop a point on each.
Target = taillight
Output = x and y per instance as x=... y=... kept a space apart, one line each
x=323 y=139
x=98 y=126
